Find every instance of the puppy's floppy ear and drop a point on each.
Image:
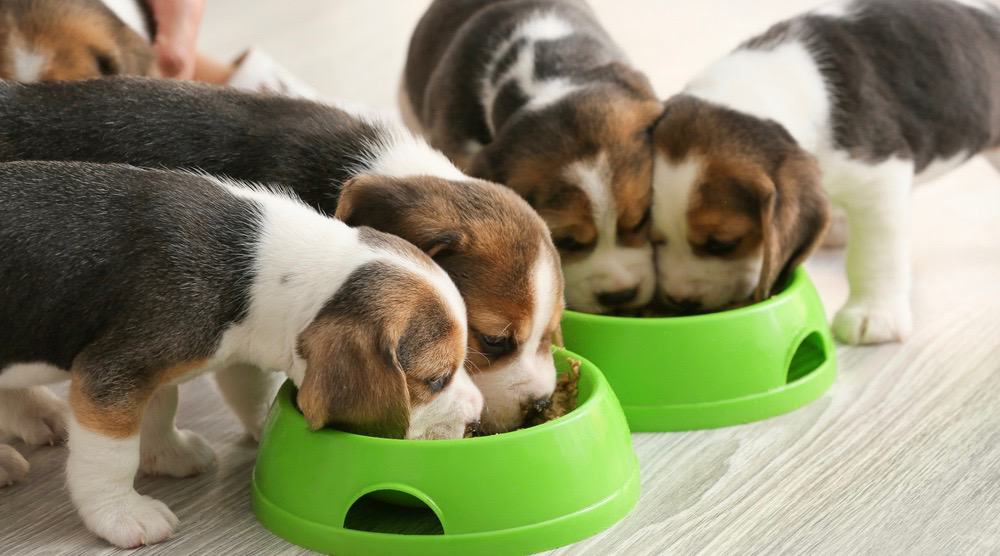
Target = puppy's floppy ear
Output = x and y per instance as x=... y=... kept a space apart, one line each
x=795 y=214
x=352 y=379
x=136 y=55
x=416 y=209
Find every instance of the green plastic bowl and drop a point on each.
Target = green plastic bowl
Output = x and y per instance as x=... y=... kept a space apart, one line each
x=513 y=493
x=712 y=370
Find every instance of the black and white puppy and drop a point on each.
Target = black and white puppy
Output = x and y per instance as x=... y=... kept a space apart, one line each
x=364 y=170
x=129 y=281
x=535 y=94
x=852 y=102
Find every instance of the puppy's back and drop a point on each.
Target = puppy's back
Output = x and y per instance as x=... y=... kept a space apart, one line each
x=87 y=248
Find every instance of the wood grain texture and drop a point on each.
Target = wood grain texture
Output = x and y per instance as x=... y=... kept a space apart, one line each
x=902 y=456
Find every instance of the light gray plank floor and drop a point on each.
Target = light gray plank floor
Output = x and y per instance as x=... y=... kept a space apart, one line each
x=902 y=456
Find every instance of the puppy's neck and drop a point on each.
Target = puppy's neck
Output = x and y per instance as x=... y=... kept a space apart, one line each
x=780 y=83
x=302 y=259
x=399 y=154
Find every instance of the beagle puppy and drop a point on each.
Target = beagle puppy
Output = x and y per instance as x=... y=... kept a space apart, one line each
x=48 y=40
x=363 y=170
x=535 y=94
x=130 y=281
x=854 y=102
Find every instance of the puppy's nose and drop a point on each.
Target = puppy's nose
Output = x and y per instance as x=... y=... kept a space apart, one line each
x=473 y=428
x=540 y=405
x=617 y=298
x=684 y=304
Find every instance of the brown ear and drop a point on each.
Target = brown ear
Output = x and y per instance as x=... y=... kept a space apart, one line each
x=136 y=55
x=795 y=214
x=414 y=209
x=351 y=381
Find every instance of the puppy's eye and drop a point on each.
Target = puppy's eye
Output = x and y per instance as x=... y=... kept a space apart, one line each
x=569 y=245
x=720 y=248
x=437 y=384
x=497 y=345
x=106 y=65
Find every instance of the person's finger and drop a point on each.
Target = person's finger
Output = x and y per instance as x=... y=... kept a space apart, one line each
x=177 y=23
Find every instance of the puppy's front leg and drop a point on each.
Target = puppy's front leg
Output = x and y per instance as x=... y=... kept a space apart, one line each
x=994 y=158
x=164 y=449
x=103 y=461
x=878 y=259
x=248 y=391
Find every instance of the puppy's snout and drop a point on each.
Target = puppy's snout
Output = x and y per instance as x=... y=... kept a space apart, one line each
x=683 y=304
x=618 y=297
x=473 y=428
x=540 y=405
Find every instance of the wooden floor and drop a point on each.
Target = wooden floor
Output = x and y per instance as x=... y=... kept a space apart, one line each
x=902 y=456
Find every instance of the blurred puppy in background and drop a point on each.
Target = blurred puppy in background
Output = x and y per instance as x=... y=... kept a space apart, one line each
x=49 y=40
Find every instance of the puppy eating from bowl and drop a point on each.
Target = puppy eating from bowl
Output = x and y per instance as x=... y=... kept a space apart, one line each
x=130 y=281
x=854 y=102
x=535 y=94
x=365 y=170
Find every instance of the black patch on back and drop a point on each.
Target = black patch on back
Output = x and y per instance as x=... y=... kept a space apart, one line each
x=918 y=79
x=123 y=271
x=307 y=147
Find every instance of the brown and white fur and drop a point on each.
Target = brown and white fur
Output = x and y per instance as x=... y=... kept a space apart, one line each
x=535 y=94
x=854 y=102
x=130 y=281
x=49 y=40
x=361 y=168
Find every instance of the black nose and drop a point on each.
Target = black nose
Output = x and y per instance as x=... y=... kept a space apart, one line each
x=684 y=304
x=473 y=428
x=541 y=405
x=618 y=298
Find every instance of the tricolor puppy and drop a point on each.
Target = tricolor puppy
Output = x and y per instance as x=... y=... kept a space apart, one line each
x=854 y=101
x=366 y=171
x=536 y=95
x=129 y=281
x=48 y=40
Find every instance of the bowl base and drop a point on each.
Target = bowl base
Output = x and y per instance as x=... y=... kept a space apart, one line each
x=803 y=389
x=522 y=540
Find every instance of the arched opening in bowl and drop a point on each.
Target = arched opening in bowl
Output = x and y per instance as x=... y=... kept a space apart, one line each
x=809 y=356
x=392 y=511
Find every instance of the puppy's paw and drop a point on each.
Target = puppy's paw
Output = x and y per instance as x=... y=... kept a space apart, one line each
x=130 y=521
x=182 y=454
x=873 y=322
x=35 y=415
x=13 y=466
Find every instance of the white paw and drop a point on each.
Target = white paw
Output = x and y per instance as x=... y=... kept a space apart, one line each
x=36 y=416
x=873 y=322
x=131 y=520
x=182 y=454
x=13 y=466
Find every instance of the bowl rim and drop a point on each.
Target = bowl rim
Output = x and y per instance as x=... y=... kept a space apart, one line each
x=795 y=285
x=600 y=387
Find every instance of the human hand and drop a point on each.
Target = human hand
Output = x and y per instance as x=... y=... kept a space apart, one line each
x=176 y=41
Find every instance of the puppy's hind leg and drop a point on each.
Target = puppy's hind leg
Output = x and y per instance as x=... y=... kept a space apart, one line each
x=878 y=258
x=103 y=461
x=165 y=450
x=13 y=466
x=249 y=392
x=35 y=415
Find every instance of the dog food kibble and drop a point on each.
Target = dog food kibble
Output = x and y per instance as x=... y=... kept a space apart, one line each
x=563 y=398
